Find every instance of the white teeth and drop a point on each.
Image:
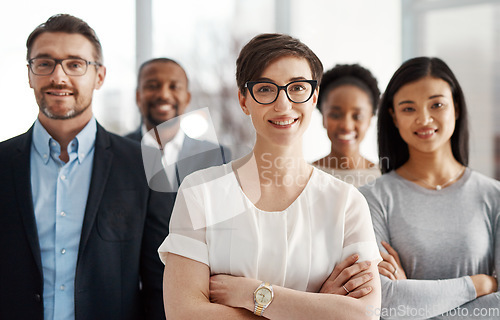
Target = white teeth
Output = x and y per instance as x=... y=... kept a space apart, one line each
x=284 y=123
x=165 y=107
x=60 y=93
x=425 y=133
x=348 y=136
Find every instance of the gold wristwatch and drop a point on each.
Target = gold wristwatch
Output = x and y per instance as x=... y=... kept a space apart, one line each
x=262 y=297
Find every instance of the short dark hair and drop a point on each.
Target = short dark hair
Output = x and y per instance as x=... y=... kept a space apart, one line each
x=68 y=24
x=264 y=48
x=393 y=150
x=161 y=60
x=349 y=74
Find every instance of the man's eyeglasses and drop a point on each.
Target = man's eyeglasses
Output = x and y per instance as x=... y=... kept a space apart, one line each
x=71 y=66
x=266 y=92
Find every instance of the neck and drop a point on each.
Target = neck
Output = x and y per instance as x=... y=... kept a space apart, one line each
x=435 y=168
x=336 y=160
x=282 y=159
x=64 y=131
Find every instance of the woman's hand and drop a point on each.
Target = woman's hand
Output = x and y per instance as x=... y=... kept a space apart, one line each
x=233 y=291
x=391 y=265
x=347 y=278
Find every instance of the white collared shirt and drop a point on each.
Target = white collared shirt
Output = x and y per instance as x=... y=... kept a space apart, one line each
x=171 y=152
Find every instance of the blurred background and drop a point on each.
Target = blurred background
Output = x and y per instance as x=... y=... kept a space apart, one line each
x=206 y=36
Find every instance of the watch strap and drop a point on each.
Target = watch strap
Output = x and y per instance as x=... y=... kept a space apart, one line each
x=259 y=308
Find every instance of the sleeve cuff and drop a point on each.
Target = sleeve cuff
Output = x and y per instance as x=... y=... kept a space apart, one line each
x=184 y=246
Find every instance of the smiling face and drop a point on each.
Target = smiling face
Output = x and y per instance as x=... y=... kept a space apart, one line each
x=162 y=92
x=282 y=122
x=347 y=111
x=58 y=95
x=425 y=114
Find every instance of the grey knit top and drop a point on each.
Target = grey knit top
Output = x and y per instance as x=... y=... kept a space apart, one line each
x=442 y=238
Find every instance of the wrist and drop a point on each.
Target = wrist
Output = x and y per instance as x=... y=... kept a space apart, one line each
x=247 y=299
x=262 y=296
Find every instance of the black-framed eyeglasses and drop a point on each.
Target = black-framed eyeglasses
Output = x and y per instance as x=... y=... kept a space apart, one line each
x=266 y=92
x=71 y=66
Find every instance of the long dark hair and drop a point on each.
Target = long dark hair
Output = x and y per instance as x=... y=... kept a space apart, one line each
x=393 y=150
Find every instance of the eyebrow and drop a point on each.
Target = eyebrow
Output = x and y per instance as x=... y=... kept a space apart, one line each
x=45 y=55
x=290 y=80
x=431 y=97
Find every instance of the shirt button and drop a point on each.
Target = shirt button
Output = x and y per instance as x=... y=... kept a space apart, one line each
x=54 y=144
x=62 y=287
x=63 y=251
x=63 y=213
x=38 y=298
x=45 y=156
x=63 y=177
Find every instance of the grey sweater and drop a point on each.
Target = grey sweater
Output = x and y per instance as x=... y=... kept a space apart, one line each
x=442 y=238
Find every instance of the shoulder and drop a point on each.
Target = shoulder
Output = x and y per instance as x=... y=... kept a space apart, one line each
x=109 y=139
x=485 y=188
x=126 y=153
x=211 y=175
x=20 y=143
x=135 y=135
x=479 y=179
x=382 y=187
x=333 y=190
x=208 y=151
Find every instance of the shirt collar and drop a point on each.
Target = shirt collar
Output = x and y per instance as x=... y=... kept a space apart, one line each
x=41 y=141
x=176 y=141
x=84 y=140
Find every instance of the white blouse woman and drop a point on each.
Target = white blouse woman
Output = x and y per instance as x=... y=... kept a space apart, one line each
x=269 y=235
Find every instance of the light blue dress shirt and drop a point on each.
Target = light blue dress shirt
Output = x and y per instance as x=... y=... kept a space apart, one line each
x=60 y=192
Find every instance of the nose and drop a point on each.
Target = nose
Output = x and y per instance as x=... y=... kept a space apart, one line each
x=165 y=92
x=424 y=117
x=347 y=123
x=282 y=103
x=58 y=75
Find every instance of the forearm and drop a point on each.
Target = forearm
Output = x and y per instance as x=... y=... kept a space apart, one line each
x=292 y=304
x=205 y=310
x=485 y=307
x=422 y=299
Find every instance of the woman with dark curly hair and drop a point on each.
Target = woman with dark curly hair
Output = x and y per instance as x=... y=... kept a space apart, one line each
x=348 y=100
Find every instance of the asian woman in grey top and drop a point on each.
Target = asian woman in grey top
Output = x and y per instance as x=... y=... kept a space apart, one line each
x=436 y=220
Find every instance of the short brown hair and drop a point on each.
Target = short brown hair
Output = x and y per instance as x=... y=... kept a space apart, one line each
x=68 y=24
x=264 y=48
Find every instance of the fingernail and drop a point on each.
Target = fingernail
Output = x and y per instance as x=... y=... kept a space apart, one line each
x=355 y=256
x=368 y=263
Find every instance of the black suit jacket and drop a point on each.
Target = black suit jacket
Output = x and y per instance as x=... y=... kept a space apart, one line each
x=118 y=273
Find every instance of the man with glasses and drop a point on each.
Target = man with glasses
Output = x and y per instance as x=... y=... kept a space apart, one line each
x=79 y=226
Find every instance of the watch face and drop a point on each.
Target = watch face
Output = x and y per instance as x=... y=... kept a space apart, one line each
x=263 y=296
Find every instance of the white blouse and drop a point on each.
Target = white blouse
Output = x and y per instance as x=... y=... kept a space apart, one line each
x=213 y=222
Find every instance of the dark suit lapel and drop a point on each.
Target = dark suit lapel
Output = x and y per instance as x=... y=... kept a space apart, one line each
x=103 y=158
x=21 y=166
